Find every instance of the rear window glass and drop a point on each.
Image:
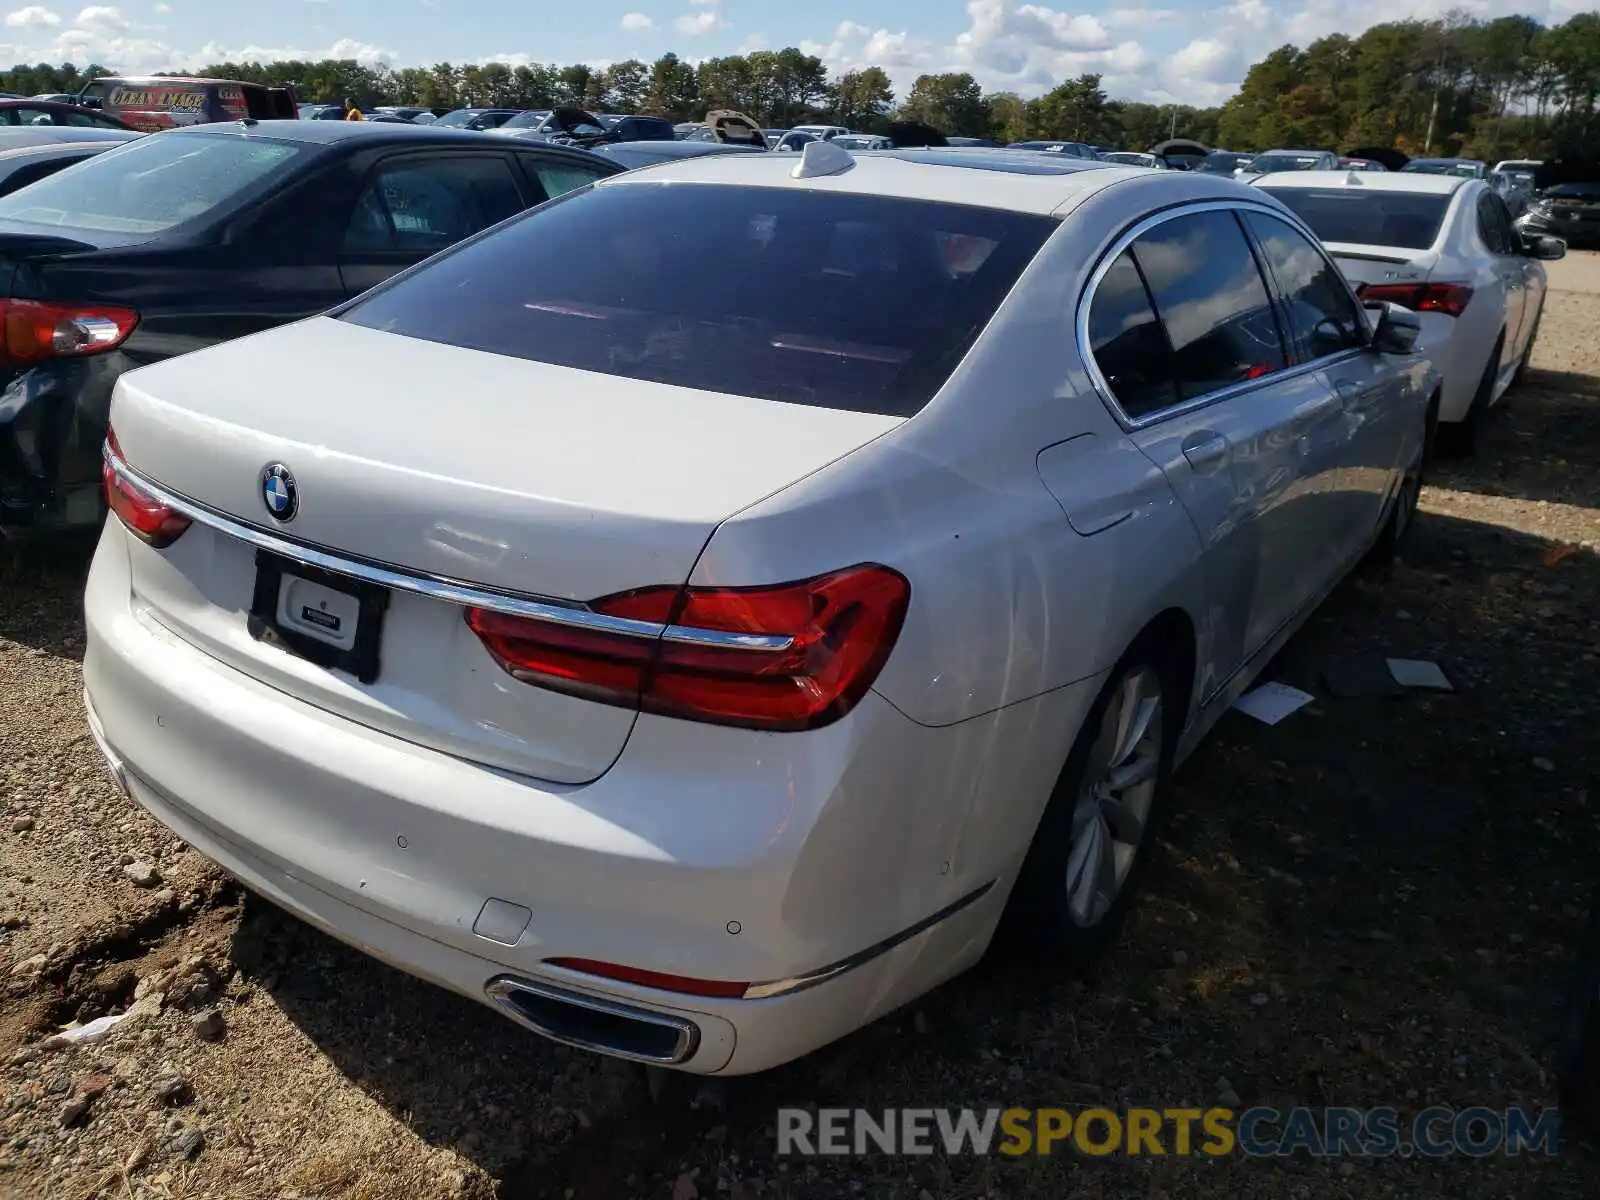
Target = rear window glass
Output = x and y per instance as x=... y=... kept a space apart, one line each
x=150 y=185
x=1402 y=219
x=836 y=301
x=1575 y=191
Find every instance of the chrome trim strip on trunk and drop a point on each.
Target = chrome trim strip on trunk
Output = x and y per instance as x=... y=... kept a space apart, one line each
x=452 y=591
x=502 y=989
x=811 y=979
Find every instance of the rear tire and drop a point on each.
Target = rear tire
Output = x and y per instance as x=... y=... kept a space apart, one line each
x=1089 y=853
x=1462 y=437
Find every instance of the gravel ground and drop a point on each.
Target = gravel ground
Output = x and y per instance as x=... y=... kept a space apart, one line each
x=1372 y=903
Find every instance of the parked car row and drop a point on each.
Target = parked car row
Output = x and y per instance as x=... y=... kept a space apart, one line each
x=479 y=639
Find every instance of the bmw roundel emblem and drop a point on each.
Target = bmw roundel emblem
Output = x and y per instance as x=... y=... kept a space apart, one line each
x=278 y=491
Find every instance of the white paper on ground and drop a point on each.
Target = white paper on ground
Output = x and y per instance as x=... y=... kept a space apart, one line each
x=1419 y=673
x=1272 y=702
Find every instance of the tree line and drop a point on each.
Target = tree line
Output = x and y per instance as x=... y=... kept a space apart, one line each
x=1454 y=85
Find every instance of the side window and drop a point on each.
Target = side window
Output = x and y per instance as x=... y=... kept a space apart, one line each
x=1212 y=301
x=421 y=206
x=1323 y=318
x=1128 y=343
x=1508 y=231
x=558 y=179
x=23 y=176
x=1489 y=226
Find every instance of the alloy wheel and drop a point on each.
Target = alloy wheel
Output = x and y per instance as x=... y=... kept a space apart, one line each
x=1114 y=803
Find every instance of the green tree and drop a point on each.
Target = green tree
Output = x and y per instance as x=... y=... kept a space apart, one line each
x=862 y=99
x=951 y=103
x=674 y=90
x=627 y=86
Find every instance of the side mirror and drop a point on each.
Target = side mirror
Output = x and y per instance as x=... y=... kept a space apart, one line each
x=1397 y=331
x=1544 y=248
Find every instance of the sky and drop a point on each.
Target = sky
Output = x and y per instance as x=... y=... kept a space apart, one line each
x=1185 y=51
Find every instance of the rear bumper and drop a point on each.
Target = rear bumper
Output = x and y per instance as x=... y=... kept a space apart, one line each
x=710 y=853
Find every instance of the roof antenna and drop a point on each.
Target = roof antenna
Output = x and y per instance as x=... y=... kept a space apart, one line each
x=822 y=158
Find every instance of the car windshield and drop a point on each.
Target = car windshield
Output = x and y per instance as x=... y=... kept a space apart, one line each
x=527 y=120
x=462 y=116
x=1406 y=220
x=1222 y=164
x=1439 y=166
x=807 y=297
x=1266 y=164
x=1587 y=192
x=151 y=184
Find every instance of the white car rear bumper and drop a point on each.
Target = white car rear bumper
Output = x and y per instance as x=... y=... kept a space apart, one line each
x=705 y=852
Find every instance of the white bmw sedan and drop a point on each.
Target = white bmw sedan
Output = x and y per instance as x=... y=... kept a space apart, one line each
x=1443 y=246
x=695 y=618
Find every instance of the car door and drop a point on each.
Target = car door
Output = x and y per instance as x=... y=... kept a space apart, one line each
x=1183 y=329
x=1509 y=267
x=1530 y=272
x=413 y=205
x=1351 y=448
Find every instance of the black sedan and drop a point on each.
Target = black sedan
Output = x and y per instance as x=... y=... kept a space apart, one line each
x=1570 y=211
x=193 y=236
x=48 y=112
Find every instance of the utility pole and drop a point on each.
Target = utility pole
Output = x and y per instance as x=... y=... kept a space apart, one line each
x=1172 y=130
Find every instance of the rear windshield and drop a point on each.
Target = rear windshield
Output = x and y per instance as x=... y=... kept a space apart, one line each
x=1217 y=163
x=1402 y=219
x=1574 y=191
x=837 y=301
x=150 y=185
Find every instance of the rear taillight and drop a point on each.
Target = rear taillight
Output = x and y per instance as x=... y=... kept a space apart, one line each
x=146 y=517
x=788 y=657
x=32 y=330
x=1448 y=298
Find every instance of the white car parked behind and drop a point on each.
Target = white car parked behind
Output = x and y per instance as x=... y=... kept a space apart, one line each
x=1443 y=246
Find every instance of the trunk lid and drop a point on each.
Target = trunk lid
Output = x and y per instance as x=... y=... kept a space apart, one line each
x=505 y=474
x=1381 y=264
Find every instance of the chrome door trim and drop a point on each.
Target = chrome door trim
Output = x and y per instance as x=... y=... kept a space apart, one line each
x=438 y=587
x=1103 y=268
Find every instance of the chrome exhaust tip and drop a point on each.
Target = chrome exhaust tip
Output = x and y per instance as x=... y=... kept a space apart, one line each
x=593 y=1023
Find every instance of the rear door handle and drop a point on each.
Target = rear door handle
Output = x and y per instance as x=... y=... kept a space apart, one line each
x=1205 y=451
x=1348 y=392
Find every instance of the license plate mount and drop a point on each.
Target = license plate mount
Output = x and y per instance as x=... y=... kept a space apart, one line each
x=321 y=616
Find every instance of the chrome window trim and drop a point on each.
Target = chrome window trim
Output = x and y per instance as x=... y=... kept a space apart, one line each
x=1103 y=268
x=451 y=591
x=502 y=989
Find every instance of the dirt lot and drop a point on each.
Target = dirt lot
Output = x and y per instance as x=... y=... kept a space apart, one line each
x=1372 y=903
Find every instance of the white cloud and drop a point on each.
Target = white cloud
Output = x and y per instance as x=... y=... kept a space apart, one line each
x=103 y=17
x=162 y=8
x=31 y=17
x=637 y=22
x=698 y=24
x=1140 y=18
x=707 y=3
